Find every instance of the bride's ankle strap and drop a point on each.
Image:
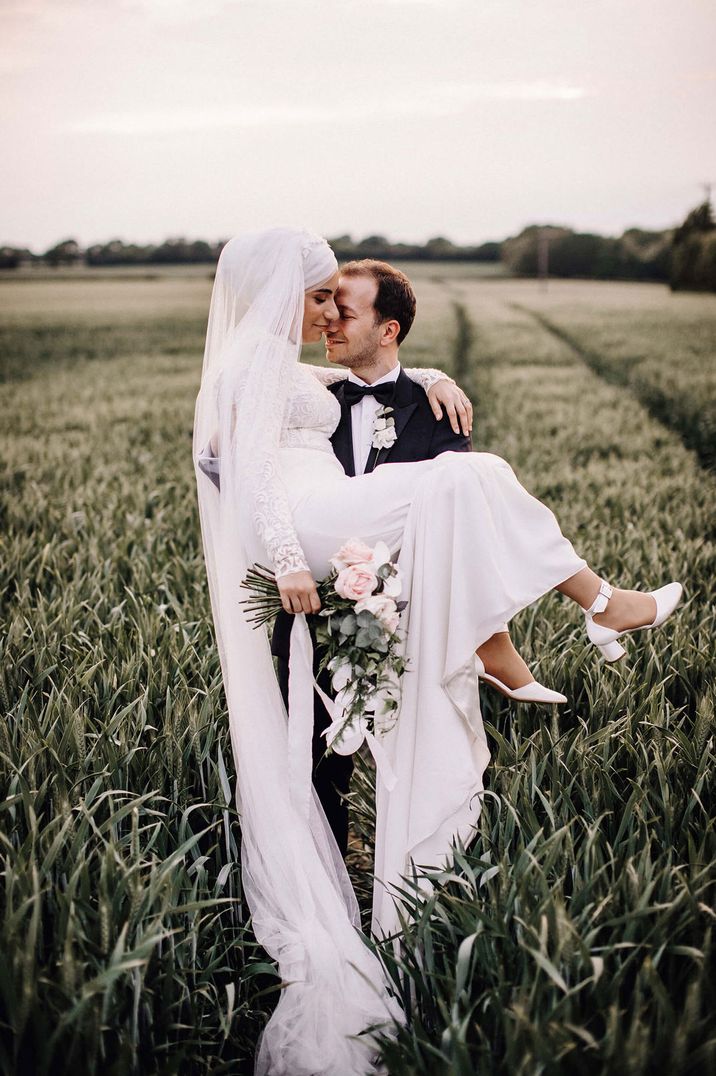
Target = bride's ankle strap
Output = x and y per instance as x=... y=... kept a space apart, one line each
x=600 y=602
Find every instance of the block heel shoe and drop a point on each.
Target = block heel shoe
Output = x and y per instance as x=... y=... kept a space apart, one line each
x=607 y=639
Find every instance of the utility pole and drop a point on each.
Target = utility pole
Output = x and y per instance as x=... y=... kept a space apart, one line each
x=543 y=259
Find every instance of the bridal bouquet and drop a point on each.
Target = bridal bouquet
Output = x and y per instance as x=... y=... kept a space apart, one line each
x=357 y=635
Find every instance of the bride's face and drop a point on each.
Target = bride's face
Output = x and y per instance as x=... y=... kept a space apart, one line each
x=319 y=309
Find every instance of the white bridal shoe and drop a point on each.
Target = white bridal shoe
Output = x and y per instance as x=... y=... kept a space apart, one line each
x=666 y=598
x=532 y=692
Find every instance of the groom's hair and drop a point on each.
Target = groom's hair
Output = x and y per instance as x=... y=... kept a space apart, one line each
x=395 y=298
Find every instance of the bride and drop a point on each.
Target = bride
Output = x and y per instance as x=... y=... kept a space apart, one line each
x=474 y=549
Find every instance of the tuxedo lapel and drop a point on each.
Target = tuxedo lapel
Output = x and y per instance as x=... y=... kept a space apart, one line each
x=404 y=407
x=402 y=415
x=342 y=439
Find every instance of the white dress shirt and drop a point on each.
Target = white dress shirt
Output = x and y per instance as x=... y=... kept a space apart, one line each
x=363 y=416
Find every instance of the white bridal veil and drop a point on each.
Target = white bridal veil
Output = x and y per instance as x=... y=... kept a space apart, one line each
x=304 y=911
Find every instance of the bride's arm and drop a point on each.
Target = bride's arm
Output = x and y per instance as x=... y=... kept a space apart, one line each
x=264 y=412
x=423 y=376
x=251 y=410
x=426 y=377
x=274 y=525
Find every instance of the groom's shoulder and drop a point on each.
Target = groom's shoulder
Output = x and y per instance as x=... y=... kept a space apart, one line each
x=410 y=391
x=437 y=435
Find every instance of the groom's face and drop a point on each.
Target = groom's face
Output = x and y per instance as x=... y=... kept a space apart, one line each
x=353 y=339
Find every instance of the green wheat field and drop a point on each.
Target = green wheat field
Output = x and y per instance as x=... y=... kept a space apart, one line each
x=575 y=935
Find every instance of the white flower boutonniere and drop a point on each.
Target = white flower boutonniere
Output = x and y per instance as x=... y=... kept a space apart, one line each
x=384 y=435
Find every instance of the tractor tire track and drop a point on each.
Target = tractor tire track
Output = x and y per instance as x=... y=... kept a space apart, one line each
x=694 y=425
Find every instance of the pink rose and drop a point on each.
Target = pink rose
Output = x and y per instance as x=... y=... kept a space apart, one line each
x=383 y=609
x=356 y=582
x=353 y=552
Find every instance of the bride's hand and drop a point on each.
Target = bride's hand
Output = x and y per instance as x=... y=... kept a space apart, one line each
x=455 y=402
x=299 y=593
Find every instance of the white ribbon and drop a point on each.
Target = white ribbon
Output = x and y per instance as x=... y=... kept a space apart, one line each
x=300 y=708
x=382 y=762
x=301 y=686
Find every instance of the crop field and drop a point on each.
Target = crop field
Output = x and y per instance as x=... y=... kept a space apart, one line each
x=575 y=934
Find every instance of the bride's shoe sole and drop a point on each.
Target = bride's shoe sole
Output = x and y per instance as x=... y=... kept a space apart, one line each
x=557 y=699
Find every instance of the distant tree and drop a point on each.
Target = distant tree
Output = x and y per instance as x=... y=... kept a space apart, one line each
x=647 y=253
x=440 y=249
x=181 y=251
x=343 y=247
x=374 y=246
x=520 y=252
x=116 y=252
x=578 y=255
x=698 y=220
x=706 y=266
x=693 y=254
x=642 y=240
x=171 y=251
x=407 y=252
x=636 y=255
x=201 y=251
x=65 y=253
x=487 y=252
x=14 y=257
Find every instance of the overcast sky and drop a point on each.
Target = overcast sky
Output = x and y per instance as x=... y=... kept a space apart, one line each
x=411 y=118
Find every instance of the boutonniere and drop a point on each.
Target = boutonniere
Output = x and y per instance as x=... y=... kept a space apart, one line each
x=384 y=435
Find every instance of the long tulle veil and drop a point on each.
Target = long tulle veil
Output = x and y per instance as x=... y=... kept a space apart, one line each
x=304 y=910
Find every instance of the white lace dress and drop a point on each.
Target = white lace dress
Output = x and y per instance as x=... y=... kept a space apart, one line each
x=474 y=548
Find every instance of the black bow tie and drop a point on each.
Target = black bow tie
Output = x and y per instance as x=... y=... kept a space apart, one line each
x=353 y=393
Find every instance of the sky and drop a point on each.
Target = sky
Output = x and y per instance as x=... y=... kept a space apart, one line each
x=145 y=119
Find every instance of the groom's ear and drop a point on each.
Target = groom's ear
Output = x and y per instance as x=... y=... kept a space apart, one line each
x=389 y=332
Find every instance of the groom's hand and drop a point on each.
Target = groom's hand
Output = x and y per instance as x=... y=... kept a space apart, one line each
x=299 y=593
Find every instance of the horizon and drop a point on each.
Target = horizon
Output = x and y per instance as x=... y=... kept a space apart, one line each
x=213 y=241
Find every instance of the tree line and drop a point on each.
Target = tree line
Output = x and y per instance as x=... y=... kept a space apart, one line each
x=684 y=257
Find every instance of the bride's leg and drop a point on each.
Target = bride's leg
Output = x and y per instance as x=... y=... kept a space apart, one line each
x=625 y=609
x=516 y=540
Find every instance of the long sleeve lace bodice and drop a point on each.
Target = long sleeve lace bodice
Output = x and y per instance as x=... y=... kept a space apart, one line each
x=310 y=418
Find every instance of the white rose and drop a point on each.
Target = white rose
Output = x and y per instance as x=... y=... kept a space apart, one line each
x=356 y=582
x=383 y=609
x=384 y=438
x=352 y=552
x=381 y=555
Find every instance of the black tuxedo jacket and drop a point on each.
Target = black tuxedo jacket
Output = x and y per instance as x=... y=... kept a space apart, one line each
x=419 y=437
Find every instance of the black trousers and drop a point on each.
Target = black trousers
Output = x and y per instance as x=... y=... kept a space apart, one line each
x=331 y=773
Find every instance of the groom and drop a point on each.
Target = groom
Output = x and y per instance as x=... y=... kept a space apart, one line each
x=371 y=296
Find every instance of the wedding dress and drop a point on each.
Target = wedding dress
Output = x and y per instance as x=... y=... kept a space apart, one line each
x=474 y=548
